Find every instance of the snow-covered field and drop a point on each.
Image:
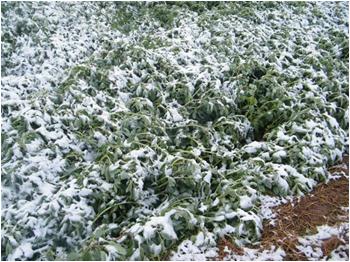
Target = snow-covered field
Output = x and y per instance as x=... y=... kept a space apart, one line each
x=149 y=130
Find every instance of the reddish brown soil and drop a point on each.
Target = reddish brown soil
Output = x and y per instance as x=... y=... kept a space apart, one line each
x=330 y=244
x=225 y=243
x=300 y=217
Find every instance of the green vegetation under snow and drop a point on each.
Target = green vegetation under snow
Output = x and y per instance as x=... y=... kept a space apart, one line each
x=130 y=127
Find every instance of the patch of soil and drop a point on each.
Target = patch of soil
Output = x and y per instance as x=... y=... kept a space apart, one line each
x=223 y=242
x=330 y=244
x=297 y=218
x=302 y=216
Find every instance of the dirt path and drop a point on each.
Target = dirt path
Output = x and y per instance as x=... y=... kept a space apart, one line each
x=324 y=205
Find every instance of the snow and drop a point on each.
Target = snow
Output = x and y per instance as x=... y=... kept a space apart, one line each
x=202 y=208
x=174 y=115
x=156 y=249
x=268 y=203
x=22 y=251
x=137 y=153
x=253 y=147
x=73 y=71
x=207 y=177
x=279 y=155
x=273 y=254
x=299 y=129
x=63 y=142
x=282 y=183
x=189 y=251
x=101 y=139
x=215 y=202
x=250 y=216
x=34 y=145
x=202 y=249
x=227 y=230
x=47 y=189
x=311 y=245
x=165 y=222
x=136 y=255
x=245 y=202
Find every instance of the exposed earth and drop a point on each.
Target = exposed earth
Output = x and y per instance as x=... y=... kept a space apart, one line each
x=327 y=204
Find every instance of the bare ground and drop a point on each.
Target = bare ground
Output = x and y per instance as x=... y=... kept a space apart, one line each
x=324 y=205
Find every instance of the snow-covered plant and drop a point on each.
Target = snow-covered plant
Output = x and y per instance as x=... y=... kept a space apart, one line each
x=128 y=128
